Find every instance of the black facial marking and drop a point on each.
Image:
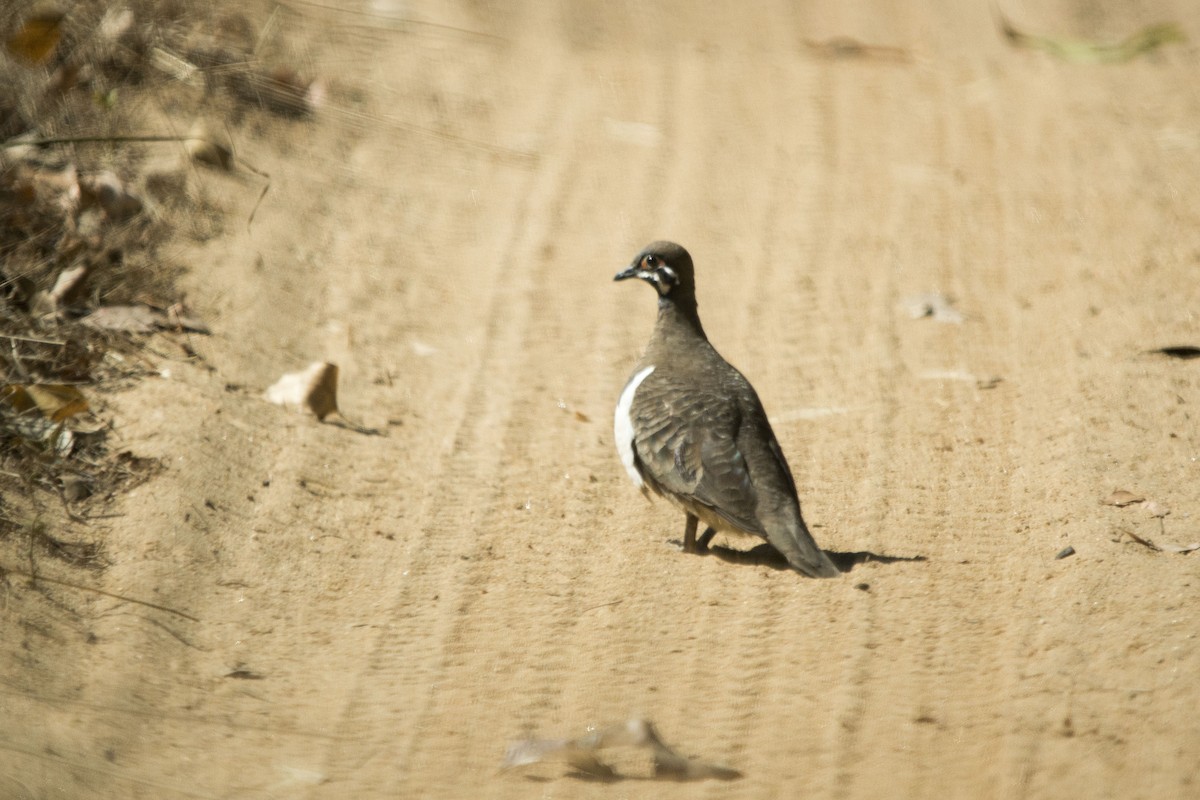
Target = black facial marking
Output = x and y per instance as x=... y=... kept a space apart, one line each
x=663 y=278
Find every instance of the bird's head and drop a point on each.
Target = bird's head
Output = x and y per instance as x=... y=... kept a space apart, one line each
x=667 y=267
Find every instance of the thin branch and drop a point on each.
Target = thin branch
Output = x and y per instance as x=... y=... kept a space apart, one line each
x=33 y=339
x=147 y=604
x=82 y=139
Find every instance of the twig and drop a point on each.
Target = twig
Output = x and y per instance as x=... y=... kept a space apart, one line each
x=34 y=340
x=601 y=605
x=84 y=139
x=146 y=603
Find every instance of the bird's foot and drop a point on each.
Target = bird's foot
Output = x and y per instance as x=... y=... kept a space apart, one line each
x=693 y=545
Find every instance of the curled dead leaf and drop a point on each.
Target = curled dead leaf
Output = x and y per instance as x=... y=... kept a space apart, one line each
x=56 y=402
x=1121 y=498
x=207 y=146
x=36 y=40
x=313 y=390
x=1184 y=352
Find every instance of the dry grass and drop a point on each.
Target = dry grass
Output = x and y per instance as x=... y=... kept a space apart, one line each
x=96 y=203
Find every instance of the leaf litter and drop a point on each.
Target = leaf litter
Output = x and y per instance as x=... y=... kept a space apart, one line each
x=313 y=390
x=87 y=206
x=581 y=754
x=1122 y=498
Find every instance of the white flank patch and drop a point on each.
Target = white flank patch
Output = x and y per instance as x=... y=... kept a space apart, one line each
x=623 y=425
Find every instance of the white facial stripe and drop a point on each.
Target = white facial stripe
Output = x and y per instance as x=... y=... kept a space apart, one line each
x=623 y=425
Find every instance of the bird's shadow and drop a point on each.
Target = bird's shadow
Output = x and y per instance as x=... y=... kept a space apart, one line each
x=764 y=555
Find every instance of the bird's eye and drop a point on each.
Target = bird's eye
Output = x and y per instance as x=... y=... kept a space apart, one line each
x=651 y=261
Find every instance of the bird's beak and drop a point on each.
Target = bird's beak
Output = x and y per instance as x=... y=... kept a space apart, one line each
x=629 y=272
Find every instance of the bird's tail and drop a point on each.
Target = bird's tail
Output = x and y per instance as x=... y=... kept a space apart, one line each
x=801 y=550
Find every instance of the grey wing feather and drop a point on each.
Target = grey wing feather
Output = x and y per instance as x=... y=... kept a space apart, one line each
x=697 y=460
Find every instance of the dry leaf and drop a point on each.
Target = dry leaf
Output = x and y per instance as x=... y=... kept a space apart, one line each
x=209 y=147
x=581 y=753
x=1174 y=548
x=1155 y=508
x=37 y=38
x=1121 y=498
x=313 y=390
x=131 y=319
x=56 y=402
x=1183 y=352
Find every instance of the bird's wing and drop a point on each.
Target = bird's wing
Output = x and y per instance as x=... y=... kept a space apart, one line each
x=687 y=445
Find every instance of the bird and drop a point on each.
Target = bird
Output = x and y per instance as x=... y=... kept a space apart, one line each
x=690 y=428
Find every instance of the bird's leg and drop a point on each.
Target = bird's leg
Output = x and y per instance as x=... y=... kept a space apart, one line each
x=690 y=543
x=689 y=534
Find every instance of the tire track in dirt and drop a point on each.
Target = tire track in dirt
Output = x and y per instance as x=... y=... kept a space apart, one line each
x=764 y=688
x=540 y=595
x=551 y=580
x=449 y=530
x=1063 y=725
x=893 y=664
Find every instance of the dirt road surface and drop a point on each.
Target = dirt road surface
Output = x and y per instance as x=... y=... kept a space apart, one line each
x=358 y=616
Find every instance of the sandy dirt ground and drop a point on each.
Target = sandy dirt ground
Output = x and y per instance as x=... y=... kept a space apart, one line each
x=367 y=616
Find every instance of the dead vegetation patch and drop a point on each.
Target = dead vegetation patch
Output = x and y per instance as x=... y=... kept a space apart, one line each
x=111 y=114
